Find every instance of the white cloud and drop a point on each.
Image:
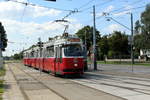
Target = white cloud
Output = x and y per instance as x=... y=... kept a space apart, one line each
x=32 y=28
x=40 y=11
x=113 y=27
x=19 y=31
x=28 y=28
x=107 y=10
x=14 y=10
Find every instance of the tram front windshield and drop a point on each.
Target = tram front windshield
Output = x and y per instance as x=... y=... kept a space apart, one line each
x=73 y=50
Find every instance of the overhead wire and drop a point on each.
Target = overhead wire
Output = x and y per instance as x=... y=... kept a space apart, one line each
x=103 y=3
x=84 y=5
x=133 y=3
x=24 y=10
x=25 y=3
x=135 y=8
x=102 y=16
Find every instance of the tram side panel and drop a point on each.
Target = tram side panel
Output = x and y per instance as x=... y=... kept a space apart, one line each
x=49 y=64
x=32 y=62
x=41 y=64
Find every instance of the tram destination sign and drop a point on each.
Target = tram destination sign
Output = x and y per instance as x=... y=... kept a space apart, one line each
x=74 y=40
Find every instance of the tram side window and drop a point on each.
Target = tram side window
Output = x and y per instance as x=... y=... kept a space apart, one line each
x=58 y=52
x=28 y=55
x=43 y=53
x=50 y=51
x=32 y=54
x=37 y=54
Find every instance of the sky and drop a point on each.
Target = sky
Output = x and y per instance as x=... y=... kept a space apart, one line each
x=24 y=24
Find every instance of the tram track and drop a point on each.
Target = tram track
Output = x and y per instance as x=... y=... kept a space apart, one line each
x=22 y=90
x=116 y=82
x=93 y=80
x=62 y=82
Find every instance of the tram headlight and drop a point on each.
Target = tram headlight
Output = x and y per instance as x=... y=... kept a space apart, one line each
x=75 y=65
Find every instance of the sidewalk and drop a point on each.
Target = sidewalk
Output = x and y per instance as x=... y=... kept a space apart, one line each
x=12 y=91
x=26 y=89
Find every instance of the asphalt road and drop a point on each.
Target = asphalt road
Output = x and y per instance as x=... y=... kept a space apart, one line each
x=114 y=68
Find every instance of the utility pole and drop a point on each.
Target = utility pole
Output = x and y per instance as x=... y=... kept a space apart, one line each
x=1 y=56
x=132 y=42
x=94 y=40
x=86 y=65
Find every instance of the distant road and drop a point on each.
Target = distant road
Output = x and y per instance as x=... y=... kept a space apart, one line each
x=138 y=70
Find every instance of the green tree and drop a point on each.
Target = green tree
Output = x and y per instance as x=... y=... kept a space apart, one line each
x=137 y=27
x=118 y=44
x=103 y=46
x=142 y=40
x=87 y=33
x=145 y=20
x=3 y=37
x=18 y=56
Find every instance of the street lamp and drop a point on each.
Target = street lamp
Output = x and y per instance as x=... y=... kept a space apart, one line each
x=110 y=18
x=132 y=38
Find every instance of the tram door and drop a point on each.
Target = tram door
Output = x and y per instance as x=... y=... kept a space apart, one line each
x=58 y=59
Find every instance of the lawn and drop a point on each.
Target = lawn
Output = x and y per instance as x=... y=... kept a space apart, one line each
x=124 y=63
x=2 y=72
x=1 y=88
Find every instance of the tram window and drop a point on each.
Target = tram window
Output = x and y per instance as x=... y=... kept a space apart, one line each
x=32 y=54
x=60 y=54
x=43 y=52
x=56 y=52
x=36 y=53
x=50 y=51
x=73 y=50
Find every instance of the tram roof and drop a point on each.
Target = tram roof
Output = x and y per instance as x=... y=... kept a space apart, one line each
x=65 y=39
x=58 y=40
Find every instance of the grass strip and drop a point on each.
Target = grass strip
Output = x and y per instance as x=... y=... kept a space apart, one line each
x=2 y=73
x=124 y=63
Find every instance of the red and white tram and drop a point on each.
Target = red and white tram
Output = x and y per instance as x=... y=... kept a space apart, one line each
x=61 y=55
